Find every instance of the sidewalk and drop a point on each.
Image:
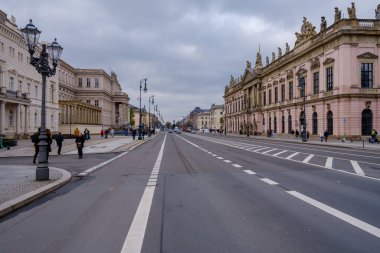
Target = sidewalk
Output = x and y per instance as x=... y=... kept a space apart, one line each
x=330 y=142
x=18 y=186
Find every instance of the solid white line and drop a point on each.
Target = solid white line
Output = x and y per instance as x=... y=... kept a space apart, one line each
x=250 y=172
x=268 y=181
x=292 y=155
x=270 y=150
x=84 y=173
x=236 y=165
x=227 y=161
x=307 y=159
x=340 y=215
x=279 y=153
x=357 y=168
x=329 y=162
x=134 y=240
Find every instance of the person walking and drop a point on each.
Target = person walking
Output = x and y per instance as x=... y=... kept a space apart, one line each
x=133 y=134
x=112 y=132
x=79 y=140
x=35 y=141
x=326 y=134
x=373 y=136
x=49 y=142
x=101 y=133
x=76 y=131
x=321 y=136
x=59 y=140
x=297 y=133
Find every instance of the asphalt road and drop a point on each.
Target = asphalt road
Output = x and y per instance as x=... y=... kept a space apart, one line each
x=207 y=194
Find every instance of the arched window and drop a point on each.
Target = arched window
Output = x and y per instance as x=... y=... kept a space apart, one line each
x=275 y=124
x=315 y=123
x=283 y=124
x=366 y=122
x=290 y=124
x=330 y=122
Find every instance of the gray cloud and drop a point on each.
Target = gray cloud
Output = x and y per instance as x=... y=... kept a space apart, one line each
x=186 y=49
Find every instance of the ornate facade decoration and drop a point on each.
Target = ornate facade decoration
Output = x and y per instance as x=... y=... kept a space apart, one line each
x=315 y=63
x=307 y=31
x=289 y=74
x=323 y=24
x=338 y=15
x=351 y=11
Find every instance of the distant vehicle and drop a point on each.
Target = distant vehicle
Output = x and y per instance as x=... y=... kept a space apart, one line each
x=205 y=130
x=170 y=131
x=193 y=132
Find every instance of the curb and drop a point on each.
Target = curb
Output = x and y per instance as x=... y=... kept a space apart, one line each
x=22 y=200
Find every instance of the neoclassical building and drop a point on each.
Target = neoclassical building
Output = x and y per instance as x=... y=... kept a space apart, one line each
x=336 y=71
x=216 y=116
x=74 y=97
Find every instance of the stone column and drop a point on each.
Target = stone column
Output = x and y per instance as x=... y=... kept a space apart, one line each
x=2 y=117
x=26 y=109
x=18 y=119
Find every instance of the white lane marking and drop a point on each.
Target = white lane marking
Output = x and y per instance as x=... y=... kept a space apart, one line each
x=279 y=153
x=329 y=162
x=307 y=159
x=236 y=165
x=135 y=237
x=84 y=173
x=340 y=215
x=250 y=172
x=270 y=150
x=227 y=161
x=257 y=150
x=219 y=157
x=357 y=168
x=292 y=155
x=268 y=181
x=252 y=147
x=214 y=155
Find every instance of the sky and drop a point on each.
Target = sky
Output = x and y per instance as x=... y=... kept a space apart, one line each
x=187 y=49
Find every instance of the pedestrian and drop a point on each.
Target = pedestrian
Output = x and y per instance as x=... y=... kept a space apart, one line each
x=79 y=140
x=112 y=132
x=373 y=136
x=143 y=133
x=292 y=132
x=35 y=141
x=59 y=140
x=133 y=134
x=76 y=131
x=49 y=141
x=321 y=136
x=297 y=133
x=85 y=133
x=101 y=133
x=307 y=134
x=106 y=132
x=326 y=134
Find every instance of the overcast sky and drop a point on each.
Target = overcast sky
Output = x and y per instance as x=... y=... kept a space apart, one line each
x=188 y=49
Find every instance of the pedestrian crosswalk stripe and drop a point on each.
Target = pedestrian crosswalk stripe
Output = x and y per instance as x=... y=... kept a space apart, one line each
x=279 y=153
x=292 y=155
x=357 y=168
x=307 y=159
x=329 y=162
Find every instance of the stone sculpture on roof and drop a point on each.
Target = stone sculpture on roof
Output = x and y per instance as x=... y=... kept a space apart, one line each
x=377 y=12
x=267 y=61
x=279 y=52
x=248 y=64
x=287 y=48
x=307 y=31
x=323 y=24
x=338 y=15
x=258 y=63
x=351 y=11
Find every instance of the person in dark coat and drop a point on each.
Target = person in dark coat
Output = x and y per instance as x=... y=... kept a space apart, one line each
x=134 y=134
x=79 y=140
x=326 y=134
x=59 y=140
x=36 y=140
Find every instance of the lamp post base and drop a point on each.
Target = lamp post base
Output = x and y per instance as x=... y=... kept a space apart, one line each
x=42 y=172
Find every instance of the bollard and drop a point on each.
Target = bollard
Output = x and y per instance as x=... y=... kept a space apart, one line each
x=363 y=143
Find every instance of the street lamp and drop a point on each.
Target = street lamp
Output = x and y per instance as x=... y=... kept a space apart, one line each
x=151 y=101
x=145 y=90
x=302 y=87
x=31 y=36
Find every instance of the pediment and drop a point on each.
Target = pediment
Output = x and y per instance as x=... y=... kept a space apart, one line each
x=367 y=55
x=301 y=71
x=328 y=61
x=248 y=76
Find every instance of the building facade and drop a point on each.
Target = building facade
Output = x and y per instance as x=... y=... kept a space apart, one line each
x=216 y=117
x=334 y=74
x=74 y=97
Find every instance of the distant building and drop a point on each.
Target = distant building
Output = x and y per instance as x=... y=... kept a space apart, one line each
x=340 y=69
x=199 y=118
x=217 y=117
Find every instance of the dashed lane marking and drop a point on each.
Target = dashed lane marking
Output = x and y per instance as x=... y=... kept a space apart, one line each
x=250 y=172
x=329 y=162
x=227 y=161
x=268 y=181
x=219 y=157
x=236 y=165
x=357 y=168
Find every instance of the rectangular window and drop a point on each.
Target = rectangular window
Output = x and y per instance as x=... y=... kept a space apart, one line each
x=11 y=52
x=96 y=82
x=276 y=94
x=29 y=87
x=290 y=90
x=329 y=79
x=20 y=85
x=96 y=102
x=11 y=83
x=367 y=75
x=88 y=82
x=36 y=91
x=1 y=47
x=80 y=82
x=270 y=97
x=316 y=82
x=283 y=93
x=88 y=101
x=20 y=57
x=303 y=85
x=265 y=99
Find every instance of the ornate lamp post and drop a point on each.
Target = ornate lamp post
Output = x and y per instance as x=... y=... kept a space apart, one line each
x=31 y=35
x=145 y=90
x=302 y=87
x=151 y=101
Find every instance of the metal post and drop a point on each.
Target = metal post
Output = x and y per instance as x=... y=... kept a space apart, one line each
x=42 y=171
x=149 y=119
x=140 y=137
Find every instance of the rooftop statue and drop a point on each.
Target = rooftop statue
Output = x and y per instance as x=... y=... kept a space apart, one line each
x=267 y=61
x=258 y=63
x=377 y=12
x=279 y=52
x=323 y=24
x=338 y=15
x=248 y=64
x=307 y=31
x=273 y=57
x=287 y=48
x=351 y=11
